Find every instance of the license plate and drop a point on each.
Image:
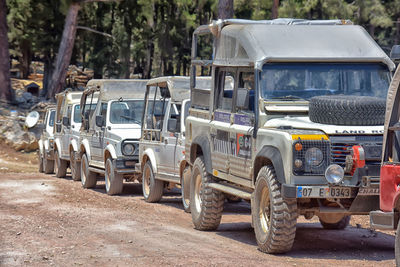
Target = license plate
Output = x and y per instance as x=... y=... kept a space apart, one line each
x=323 y=192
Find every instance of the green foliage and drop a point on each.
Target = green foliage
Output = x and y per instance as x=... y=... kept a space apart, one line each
x=153 y=37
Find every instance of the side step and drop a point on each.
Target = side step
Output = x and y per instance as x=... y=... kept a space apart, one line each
x=231 y=190
x=96 y=170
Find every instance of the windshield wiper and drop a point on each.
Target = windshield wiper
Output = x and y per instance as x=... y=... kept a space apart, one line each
x=287 y=98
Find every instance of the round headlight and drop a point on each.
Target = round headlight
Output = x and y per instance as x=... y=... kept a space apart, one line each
x=128 y=149
x=334 y=174
x=314 y=156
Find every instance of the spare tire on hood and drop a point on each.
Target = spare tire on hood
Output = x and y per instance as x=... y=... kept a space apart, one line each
x=347 y=110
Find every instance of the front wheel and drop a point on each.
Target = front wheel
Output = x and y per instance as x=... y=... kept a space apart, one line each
x=60 y=165
x=185 y=189
x=206 y=204
x=113 y=180
x=88 y=178
x=274 y=218
x=40 y=158
x=75 y=167
x=48 y=165
x=152 y=188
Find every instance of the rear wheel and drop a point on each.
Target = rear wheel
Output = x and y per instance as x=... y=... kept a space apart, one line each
x=75 y=167
x=185 y=189
x=48 y=165
x=152 y=188
x=40 y=158
x=88 y=178
x=274 y=218
x=60 y=166
x=206 y=204
x=334 y=222
x=113 y=180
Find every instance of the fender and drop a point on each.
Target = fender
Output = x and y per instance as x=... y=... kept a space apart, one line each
x=40 y=144
x=273 y=154
x=182 y=166
x=86 y=145
x=58 y=145
x=203 y=142
x=150 y=154
x=74 y=145
x=110 y=148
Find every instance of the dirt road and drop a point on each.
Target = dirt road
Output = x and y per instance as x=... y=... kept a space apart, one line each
x=46 y=221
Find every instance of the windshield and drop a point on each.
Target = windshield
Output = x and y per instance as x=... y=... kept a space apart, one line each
x=301 y=81
x=77 y=114
x=127 y=111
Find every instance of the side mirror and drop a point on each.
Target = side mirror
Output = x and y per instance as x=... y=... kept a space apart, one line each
x=99 y=121
x=65 y=121
x=172 y=125
x=395 y=53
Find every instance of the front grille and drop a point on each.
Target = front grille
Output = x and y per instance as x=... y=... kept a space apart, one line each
x=341 y=145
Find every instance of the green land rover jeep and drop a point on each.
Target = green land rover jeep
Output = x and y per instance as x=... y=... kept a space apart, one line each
x=305 y=92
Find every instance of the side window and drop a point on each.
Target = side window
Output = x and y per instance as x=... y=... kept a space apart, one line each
x=77 y=114
x=157 y=100
x=69 y=113
x=89 y=108
x=174 y=118
x=224 y=92
x=51 y=117
x=103 y=110
x=245 y=92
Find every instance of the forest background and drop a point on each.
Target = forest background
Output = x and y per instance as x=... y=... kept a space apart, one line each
x=150 y=38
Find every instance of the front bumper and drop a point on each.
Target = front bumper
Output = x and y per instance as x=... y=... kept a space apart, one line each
x=126 y=165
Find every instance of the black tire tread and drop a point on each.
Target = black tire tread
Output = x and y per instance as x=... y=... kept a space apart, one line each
x=284 y=217
x=347 y=110
x=212 y=201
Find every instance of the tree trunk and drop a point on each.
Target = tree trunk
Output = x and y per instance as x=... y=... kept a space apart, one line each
x=6 y=92
x=225 y=9
x=65 y=51
x=275 y=7
x=26 y=58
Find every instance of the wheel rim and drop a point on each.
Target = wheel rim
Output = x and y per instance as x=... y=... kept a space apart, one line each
x=185 y=191
x=83 y=171
x=197 y=191
x=146 y=181
x=107 y=178
x=265 y=210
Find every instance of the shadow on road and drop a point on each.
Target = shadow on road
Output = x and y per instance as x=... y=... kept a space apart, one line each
x=312 y=241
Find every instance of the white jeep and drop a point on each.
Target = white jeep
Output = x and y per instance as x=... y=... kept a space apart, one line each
x=111 y=128
x=66 y=133
x=46 y=142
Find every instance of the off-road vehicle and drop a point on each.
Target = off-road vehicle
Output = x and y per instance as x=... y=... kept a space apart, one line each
x=111 y=128
x=46 y=143
x=66 y=133
x=162 y=145
x=305 y=93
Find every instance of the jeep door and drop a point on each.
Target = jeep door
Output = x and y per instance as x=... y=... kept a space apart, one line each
x=243 y=125
x=180 y=147
x=221 y=138
x=168 y=146
x=98 y=134
x=88 y=102
x=66 y=132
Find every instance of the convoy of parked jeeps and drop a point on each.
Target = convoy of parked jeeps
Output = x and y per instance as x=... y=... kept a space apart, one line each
x=293 y=123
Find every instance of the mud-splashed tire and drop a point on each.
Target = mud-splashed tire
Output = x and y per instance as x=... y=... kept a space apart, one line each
x=60 y=166
x=206 y=203
x=340 y=225
x=274 y=218
x=113 y=180
x=185 y=189
x=88 y=178
x=152 y=188
x=40 y=159
x=75 y=167
x=48 y=165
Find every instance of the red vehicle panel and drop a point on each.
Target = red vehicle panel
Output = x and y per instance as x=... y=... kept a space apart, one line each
x=389 y=186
